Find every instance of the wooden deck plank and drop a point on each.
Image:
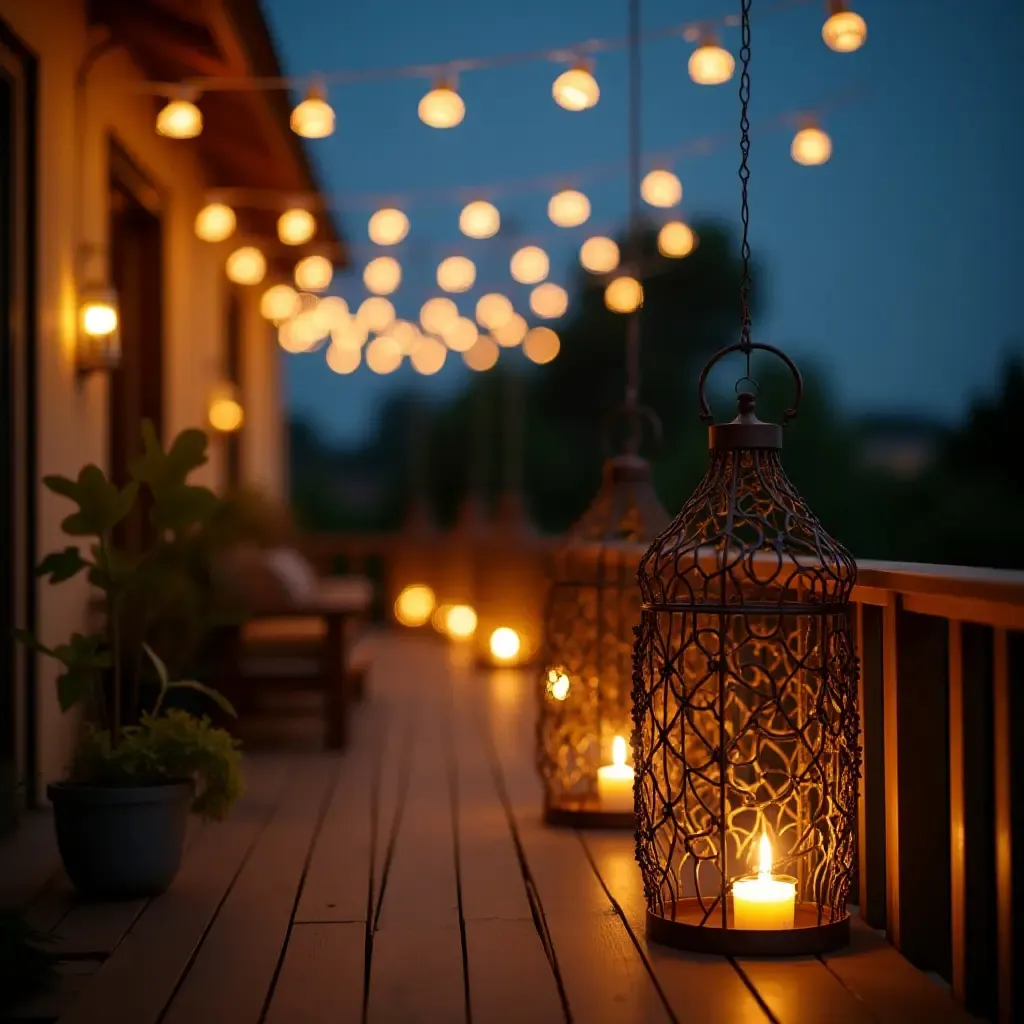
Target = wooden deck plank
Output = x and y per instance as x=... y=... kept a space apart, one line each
x=135 y=984
x=321 y=979
x=802 y=990
x=28 y=859
x=232 y=973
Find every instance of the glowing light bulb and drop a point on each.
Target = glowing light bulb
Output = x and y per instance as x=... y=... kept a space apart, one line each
x=344 y=360
x=505 y=644
x=568 y=209
x=294 y=227
x=624 y=294
x=415 y=604
x=382 y=275
x=844 y=31
x=709 y=64
x=510 y=333
x=599 y=255
x=456 y=274
x=225 y=411
x=314 y=273
x=215 y=222
x=558 y=684
x=313 y=118
x=549 y=300
x=811 y=147
x=246 y=265
x=442 y=107
x=576 y=89
x=661 y=188
x=676 y=239
x=388 y=226
x=279 y=303
x=180 y=118
x=529 y=265
x=383 y=354
x=460 y=621
x=438 y=314
x=479 y=220
x=377 y=313
x=406 y=334
x=482 y=356
x=428 y=357
x=541 y=345
x=493 y=310
x=461 y=334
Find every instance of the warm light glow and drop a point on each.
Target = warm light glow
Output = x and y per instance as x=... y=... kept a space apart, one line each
x=382 y=275
x=279 y=303
x=619 y=752
x=99 y=340
x=510 y=333
x=344 y=360
x=437 y=315
x=493 y=310
x=482 y=356
x=710 y=64
x=529 y=265
x=615 y=780
x=383 y=354
x=332 y=311
x=568 y=209
x=291 y=337
x=479 y=220
x=225 y=410
x=313 y=118
x=505 y=644
x=766 y=902
x=811 y=147
x=388 y=226
x=179 y=119
x=541 y=345
x=215 y=222
x=461 y=334
x=351 y=334
x=376 y=313
x=599 y=255
x=442 y=107
x=314 y=273
x=549 y=300
x=558 y=684
x=460 y=622
x=456 y=274
x=624 y=294
x=844 y=31
x=428 y=357
x=246 y=265
x=764 y=859
x=406 y=334
x=415 y=604
x=294 y=227
x=576 y=89
x=661 y=188
x=676 y=239
x=99 y=319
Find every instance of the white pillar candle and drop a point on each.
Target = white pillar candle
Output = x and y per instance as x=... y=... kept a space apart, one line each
x=615 y=780
x=764 y=902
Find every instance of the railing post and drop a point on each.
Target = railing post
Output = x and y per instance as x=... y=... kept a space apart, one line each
x=890 y=700
x=1003 y=754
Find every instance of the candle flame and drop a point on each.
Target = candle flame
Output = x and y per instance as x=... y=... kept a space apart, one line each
x=618 y=751
x=764 y=867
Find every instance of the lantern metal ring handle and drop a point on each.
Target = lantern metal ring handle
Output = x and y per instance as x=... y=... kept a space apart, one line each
x=636 y=416
x=705 y=409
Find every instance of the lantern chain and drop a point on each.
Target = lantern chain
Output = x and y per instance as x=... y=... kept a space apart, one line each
x=744 y=180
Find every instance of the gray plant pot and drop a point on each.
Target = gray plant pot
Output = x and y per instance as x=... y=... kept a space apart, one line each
x=120 y=842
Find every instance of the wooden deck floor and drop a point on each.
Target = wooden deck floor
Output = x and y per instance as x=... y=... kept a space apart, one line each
x=409 y=879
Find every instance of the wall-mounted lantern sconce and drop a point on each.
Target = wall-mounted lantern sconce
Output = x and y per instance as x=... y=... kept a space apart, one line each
x=99 y=329
x=225 y=411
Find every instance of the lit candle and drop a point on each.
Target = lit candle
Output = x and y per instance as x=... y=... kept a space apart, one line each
x=764 y=902
x=615 y=780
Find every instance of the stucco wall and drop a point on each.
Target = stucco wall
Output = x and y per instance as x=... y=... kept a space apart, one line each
x=72 y=427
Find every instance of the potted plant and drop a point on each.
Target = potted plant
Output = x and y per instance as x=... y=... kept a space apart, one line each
x=140 y=764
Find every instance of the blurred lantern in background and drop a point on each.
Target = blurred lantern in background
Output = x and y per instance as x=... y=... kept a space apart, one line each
x=388 y=226
x=479 y=220
x=505 y=645
x=415 y=604
x=576 y=89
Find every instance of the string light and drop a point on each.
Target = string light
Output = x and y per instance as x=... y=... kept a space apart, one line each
x=461 y=334
x=710 y=64
x=382 y=275
x=479 y=219
x=180 y=118
x=292 y=338
x=246 y=265
x=438 y=314
x=383 y=354
x=352 y=334
x=510 y=333
x=541 y=345
x=428 y=357
x=576 y=89
x=376 y=313
x=313 y=118
x=388 y=226
x=568 y=209
x=599 y=255
x=279 y=303
x=456 y=274
x=624 y=294
x=344 y=360
x=844 y=30
x=314 y=273
x=406 y=334
x=224 y=411
x=442 y=107
x=482 y=356
x=529 y=265
x=549 y=300
x=811 y=146
x=661 y=189
x=493 y=310
x=215 y=222
x=676 y=239
x=296 y=226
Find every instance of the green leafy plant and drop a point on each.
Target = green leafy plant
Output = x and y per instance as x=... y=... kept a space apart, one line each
x=144 y=593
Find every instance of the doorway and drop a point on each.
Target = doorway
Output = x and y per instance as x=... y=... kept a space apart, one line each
x=17 y=423
x=136 y=268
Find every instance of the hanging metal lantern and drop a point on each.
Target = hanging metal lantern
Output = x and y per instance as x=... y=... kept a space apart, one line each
x=744 y=708
x=593 y=603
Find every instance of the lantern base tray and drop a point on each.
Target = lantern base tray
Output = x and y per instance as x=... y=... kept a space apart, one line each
x=807 y=937
x=588 y=815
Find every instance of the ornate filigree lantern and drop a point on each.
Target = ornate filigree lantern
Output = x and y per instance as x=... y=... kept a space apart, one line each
x=744 y=698
x=593 y=603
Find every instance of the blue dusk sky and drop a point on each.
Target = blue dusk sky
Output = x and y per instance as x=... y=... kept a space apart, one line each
x=897 y=265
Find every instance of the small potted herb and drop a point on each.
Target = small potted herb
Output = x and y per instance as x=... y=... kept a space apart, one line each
x=136 y=770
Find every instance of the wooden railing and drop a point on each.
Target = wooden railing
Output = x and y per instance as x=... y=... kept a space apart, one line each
x=941 y=823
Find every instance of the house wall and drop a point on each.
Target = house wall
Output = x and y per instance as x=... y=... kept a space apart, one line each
x=74 y=210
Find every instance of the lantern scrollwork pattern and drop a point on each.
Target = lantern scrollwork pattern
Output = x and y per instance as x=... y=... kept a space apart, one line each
x=744 y=701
